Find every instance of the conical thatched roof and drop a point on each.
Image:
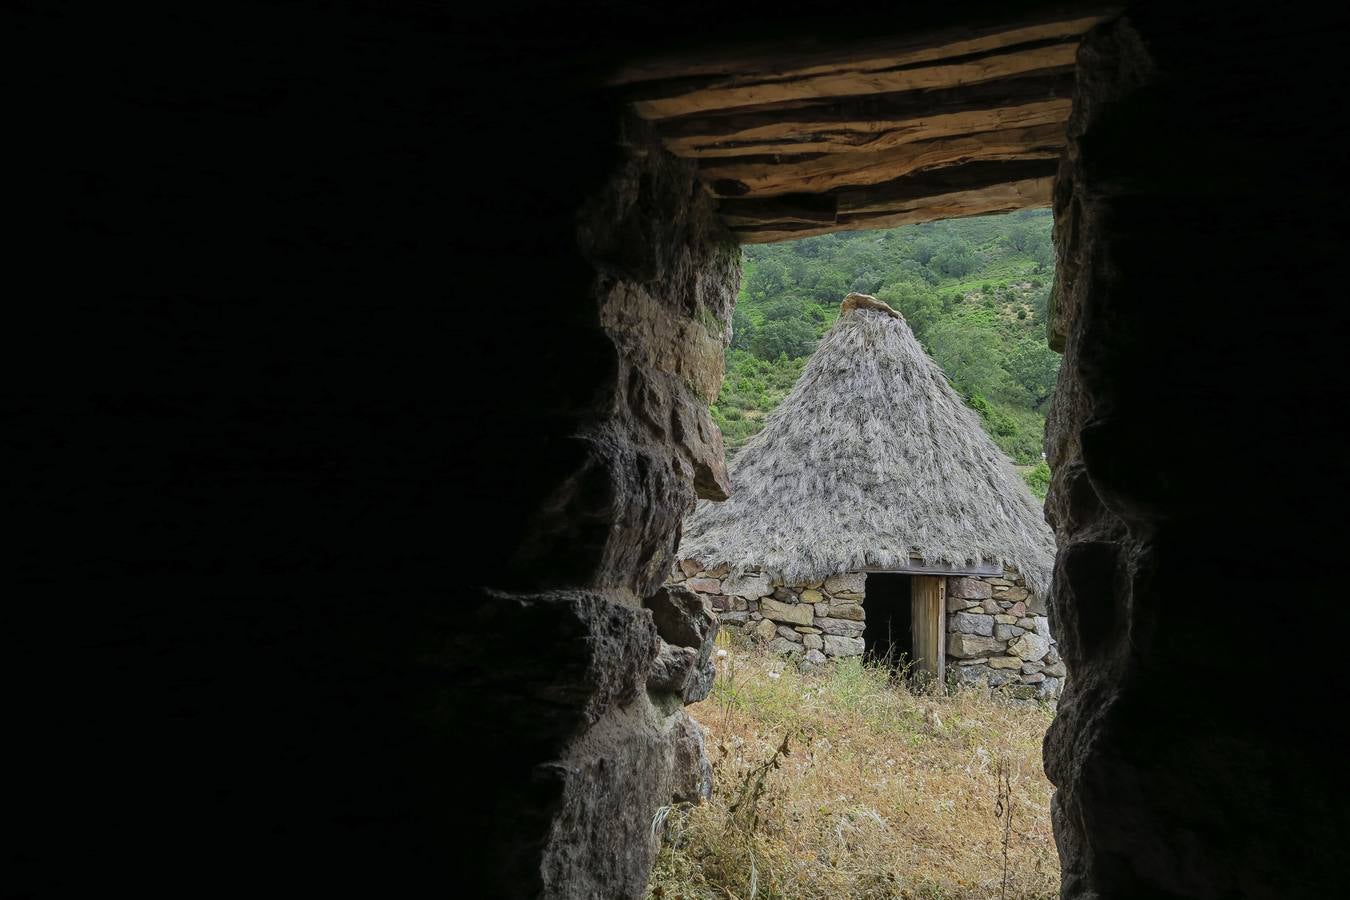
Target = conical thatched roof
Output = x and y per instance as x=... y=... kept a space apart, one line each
x=870 y=461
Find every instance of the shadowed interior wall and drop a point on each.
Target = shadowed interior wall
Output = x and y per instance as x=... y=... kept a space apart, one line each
x=338 y=497
x=888 y=617
x=1197 y=270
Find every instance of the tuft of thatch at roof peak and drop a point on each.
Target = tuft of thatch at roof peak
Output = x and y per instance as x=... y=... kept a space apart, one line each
x=871 y=461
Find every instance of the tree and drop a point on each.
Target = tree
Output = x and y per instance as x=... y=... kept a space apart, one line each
x=783 y=337
x=742 y=329
x=966 y=351
x=1034 y=366
x=916 y=302
x=954 y=259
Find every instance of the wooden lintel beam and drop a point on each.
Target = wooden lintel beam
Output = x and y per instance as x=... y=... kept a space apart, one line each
x=814 y=173
x=917 y=190
x=1028 y=194
x=945 y=73
x=689 y=84
x=898 y=195
x=810 y=209
x=876 y=122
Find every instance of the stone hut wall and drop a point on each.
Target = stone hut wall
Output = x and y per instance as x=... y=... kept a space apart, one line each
x=997 y=629
x=998 y=634
x=818 y=620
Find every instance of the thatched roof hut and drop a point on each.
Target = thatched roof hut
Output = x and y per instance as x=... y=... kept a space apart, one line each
x=872 y=463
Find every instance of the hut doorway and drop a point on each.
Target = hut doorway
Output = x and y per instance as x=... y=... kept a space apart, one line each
x=905 y=615
x=888 y=636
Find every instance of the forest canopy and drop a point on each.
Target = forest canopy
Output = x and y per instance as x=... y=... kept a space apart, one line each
x=975 y=292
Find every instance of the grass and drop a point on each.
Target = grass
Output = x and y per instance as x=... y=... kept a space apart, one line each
x=841 y=783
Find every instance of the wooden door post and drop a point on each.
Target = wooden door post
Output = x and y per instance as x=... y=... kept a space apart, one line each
x=928 y=602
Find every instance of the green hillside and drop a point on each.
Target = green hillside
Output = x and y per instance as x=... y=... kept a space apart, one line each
x=974 y=291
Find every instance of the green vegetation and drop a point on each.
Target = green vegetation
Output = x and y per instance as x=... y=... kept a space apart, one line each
x=975 y=292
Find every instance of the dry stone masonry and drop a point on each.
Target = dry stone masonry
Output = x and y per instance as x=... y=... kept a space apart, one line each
x=998 y=632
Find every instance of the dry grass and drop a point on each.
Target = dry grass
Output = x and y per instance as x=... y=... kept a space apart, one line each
x=841 y=784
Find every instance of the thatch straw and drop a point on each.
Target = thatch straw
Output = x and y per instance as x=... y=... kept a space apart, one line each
x=872 y=460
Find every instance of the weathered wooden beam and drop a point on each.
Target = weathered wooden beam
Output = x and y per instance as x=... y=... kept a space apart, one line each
x=876 y=122
x=811 y=209
x=915 y=191
x=919 y=567
x=738 y=177
x=743 y=65
x=898 y=195
x=939 y=73
x=1028 y=194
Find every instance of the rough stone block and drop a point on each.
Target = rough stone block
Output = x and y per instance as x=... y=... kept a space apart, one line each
x=1030 y=647
x=1005 y=662
x=813 y=642
x=974 y=674
x=1033 y=678
x=847 y=611
x=840 y=627
x=969 y=623
x=682 y=617
x=733 y=618
x=1013 y=594
x=1018 y=609
x=958 y=604
x=788 y=634
x=791 y=613
x=853 y=582
x=1004 y=619
x=690 y=567
x=1042 y=626
x=843 y=646
x=1000 y=677
x=811 y=595
x=704 y=585
x=1008 y=632
x=969 y=588
x=1056 y=670
x=751 y=587
x=672 y=668
x=969 y=646
x=692 y=772
x=765 y=630
x=1036 y=605
x=783 y=645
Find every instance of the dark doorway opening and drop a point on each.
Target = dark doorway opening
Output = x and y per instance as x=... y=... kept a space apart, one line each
x=888 y=636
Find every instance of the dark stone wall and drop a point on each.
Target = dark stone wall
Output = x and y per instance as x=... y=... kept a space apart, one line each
x=1198 y=485
x=361 y=383
x=346 y=442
